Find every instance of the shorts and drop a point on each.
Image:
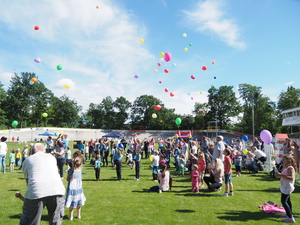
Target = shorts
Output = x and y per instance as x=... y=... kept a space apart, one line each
x=129 y=162
x=181 y=169
x=228 y=178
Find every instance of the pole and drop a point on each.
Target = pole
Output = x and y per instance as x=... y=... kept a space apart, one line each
x=253 y=120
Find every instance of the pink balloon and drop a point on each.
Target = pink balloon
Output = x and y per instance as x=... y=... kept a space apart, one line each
x=266 y=136
x=193 y=77
x=166 y=89
x=160 y=82
x=167 y=56
x=172 y=94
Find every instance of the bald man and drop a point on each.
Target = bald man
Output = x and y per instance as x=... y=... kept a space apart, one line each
x=44 y=188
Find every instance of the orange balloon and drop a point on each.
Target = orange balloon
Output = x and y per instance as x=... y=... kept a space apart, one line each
x=97 y=7
x=212 y=62
x=33 y=79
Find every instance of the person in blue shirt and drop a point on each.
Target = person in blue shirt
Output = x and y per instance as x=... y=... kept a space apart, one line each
x=137 y=159
x=118 y=163
x=81 y=148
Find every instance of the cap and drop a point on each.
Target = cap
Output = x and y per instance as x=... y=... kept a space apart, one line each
x=221 y=137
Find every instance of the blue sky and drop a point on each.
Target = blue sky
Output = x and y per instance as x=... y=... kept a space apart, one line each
x=254 y=42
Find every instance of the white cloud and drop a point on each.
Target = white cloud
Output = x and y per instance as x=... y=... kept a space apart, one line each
x=208 y=16
x=289 y=83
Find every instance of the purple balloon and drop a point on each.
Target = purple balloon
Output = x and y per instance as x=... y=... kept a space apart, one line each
x=266 y=136
x=37 y=60
x=136 y=76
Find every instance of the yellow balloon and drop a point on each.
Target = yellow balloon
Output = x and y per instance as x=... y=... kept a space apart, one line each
x=141 y=40
x=200 y=92
x=154 y=115
x=185 y=49
x=151 y=157
x=61 y=132
x=184 y=35
x=67 y=86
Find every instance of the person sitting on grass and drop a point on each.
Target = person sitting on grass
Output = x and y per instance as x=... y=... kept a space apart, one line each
x=163 y=179
x=214 y=181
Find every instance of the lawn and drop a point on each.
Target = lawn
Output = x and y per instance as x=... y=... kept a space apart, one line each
x=129 y=202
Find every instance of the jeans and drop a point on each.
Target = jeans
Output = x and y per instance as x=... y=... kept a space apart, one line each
x=137 y=169
x=211 y=183
x=287 y=205
x=118 y=169
x=2 y=162
x=97 y=173
x=60 y=165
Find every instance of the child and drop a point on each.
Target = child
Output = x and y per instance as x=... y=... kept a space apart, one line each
x=181 y=164
x=176 y=158
x=201 y=167
x=75 y=197
x=287 y=181
x=68 y=156
x=112 y=156
x=12 y=159
x=195 y=178
x=162 y=159
x=238 y=163
x=155 y=165
x=18 y=157
x=129 y=159
x=137 y=160
x=118 y=163
x=227 y=173
x=97 y=168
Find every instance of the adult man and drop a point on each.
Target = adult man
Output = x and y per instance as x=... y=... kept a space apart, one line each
x=257 y=143
x=259 y=154
x=219 y=148
x=44 y=188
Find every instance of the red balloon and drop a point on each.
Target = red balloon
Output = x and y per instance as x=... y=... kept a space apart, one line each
x=193 y=77
x=157 y=107
x=204 y=68
x=36 y=27
x=202 y=111
x=158 y=64
x=166 y=89
x=160 y=82
x=166 y=70
x=172 y=94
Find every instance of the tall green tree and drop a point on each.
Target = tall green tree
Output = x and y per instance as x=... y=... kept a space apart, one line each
x=122 y=112
x=3 y=100
x=223 y=104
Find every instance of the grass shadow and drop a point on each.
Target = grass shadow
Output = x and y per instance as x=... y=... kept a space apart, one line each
x=185 y=211
x=18 y=216
x=13 y=190
x=275 y=190
x=244 y=216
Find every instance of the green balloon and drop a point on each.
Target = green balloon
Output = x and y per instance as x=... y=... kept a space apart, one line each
x=178 y=121
x=44 y=114
x=59 y=67
x=190 y=44
x=161 y=54
x=14 y=123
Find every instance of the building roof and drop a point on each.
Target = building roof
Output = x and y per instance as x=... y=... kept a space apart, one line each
x=282 y=136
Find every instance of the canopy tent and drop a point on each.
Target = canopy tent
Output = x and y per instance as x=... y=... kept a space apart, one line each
x=46 y=134
x=112 y=135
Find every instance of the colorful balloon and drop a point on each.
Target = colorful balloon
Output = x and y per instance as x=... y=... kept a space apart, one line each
x=157 y=107
x=215 y=77
x=161 y=54
x=204 y=68
x=44 y=114
x=178 y=121
x=213 y=62
x=166 y=70
x=158 y=64
x=266 y=136
x=185 y=49
x=160 y=82
x=154 y=116
x=190 y=44
x=37 y=60
x=136 y=76
x=167 y=56
x=172 y=94
x=245 y=151
x=36 y=28
x=97 y=7
x=200 y=92
x=193 y=77
x=166 y=89
x=192 y=98
x=151 y=157
x=141 y=40
x=33 y=79
x=155 y=70
x=14 y=123
x=59 y=67
x=161 y=59
x=245 y=138
x=201 y=111
x=67 y=86
x=184 y=35
x=188 y=93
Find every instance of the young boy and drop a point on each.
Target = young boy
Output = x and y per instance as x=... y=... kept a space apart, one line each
x=155 y=164
x=181 y=164
x=98 y=162
x=227 y=173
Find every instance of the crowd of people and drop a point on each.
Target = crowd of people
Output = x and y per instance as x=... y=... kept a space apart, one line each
x=205 y=161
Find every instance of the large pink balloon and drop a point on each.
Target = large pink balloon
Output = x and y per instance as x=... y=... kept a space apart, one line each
x=266 y=136
x=167 y=56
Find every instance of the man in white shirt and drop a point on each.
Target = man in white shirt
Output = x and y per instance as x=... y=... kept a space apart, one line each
x=259 y=154
x=44 y=188
x=219 y=148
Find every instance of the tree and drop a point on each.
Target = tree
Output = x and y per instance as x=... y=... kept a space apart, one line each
x=26 y=100
x=201 y=119
x=223 y=103
x=3 y=117
x=122 y=107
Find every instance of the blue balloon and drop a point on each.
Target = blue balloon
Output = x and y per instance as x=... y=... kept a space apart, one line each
x=227 y=141
x=245 y=138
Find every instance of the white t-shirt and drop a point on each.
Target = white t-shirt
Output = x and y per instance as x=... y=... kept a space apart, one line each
x=86 y=149
x=219 y=147
x=3 y=148
x=259 y=153
x=43 y=179
x=183 y=148
x=155 y=159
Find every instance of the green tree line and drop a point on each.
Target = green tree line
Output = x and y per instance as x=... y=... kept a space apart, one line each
x=25 y=103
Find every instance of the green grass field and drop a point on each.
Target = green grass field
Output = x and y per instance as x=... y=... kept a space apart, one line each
x=129 y=202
